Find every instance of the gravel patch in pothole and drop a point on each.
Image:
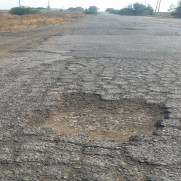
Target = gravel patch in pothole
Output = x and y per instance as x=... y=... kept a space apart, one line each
x=81 y=113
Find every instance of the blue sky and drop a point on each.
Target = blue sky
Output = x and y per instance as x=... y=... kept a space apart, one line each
x=102 y=4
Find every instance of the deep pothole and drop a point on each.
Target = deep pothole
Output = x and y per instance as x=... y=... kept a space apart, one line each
x=80 y=113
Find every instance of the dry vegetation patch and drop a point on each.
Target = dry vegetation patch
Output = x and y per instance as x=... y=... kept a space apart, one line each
x=14 y=22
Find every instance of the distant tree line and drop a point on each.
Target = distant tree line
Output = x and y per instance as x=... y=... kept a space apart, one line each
x=76 y=9
x=27 y=10
x=91 y=10
x=176 y=11
x=133 y=9
x=24 y=10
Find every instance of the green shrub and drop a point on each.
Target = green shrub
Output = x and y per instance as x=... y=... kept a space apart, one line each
x=177 y=11
x=110 y=10
x=91 y=10
x=23 y=10
x=126 y=11
x=135 y=9
x=77 y=9
x=141 y=9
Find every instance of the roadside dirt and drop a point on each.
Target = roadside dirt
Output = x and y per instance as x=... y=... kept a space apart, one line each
x=15 y=22
x=13 y=41
x=80 y=113
x=163 y=18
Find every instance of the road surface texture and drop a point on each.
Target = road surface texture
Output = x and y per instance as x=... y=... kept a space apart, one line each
x=98 y=99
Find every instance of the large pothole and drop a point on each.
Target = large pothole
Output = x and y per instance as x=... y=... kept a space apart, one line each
x=80 y=113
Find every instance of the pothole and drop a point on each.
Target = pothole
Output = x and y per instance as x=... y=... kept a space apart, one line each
x=80 y=113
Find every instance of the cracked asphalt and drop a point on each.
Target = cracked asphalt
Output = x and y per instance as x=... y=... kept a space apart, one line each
x=105 y=59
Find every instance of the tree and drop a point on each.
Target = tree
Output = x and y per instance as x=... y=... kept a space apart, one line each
x=172 y=7
x=91 y=10
x=149 y=10
x=133 y=9
x=110 y=10
x=137 y=9
x=77 y=9
x=80 y=9
x=23 y=10
x=177 y=11
x=130 y=6
x=127 y=11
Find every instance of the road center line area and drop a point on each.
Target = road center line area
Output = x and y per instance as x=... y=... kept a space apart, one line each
x=97 y=99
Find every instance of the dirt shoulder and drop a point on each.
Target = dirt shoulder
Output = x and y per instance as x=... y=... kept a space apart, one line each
x=164 y=19
x=15 y=22
x=13 y=41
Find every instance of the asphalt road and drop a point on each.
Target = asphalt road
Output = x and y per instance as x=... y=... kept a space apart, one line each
x=100 y=100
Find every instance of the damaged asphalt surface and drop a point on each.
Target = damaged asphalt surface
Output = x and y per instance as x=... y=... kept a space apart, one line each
x=131 y=62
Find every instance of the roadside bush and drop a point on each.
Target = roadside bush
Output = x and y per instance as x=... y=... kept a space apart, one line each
x=177 y=11
x=126 y=11
x=110 y=10
x=23 y=10
x=149 y=10
x=139 y=8
x=91 y=10
x=40 y=8
x=77 y=9
x=135 y=9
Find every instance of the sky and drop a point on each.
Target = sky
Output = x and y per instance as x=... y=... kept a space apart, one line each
x=102 y=4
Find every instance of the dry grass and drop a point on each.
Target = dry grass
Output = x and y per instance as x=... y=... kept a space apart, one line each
x=14 y=22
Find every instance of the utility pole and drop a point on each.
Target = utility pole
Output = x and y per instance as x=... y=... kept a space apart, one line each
x=62 y=5
x=48 y=7
x=19 y=3
x=158 y=6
